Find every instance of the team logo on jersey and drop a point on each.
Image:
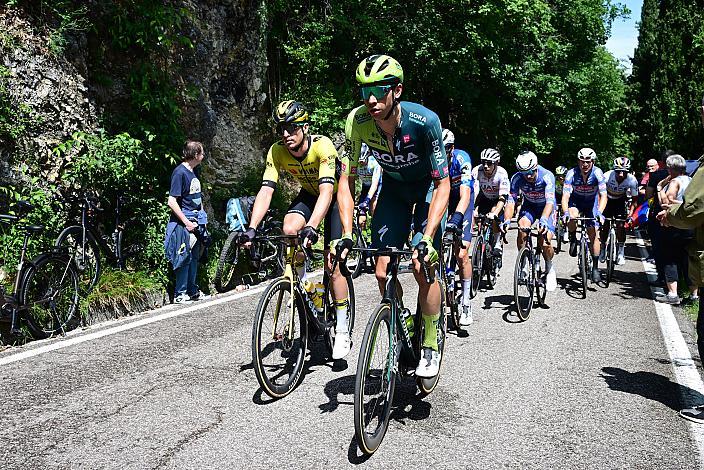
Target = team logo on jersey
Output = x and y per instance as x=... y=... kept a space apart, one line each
x=382 y=231
x=362 y=118
x=406 y=138
x=417 y=118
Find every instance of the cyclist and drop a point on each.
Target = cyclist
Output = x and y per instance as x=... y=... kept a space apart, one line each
x=560 y=172
x=537 y=185
x=461 y=206
x=312 y=161
x=491 y=190
x=584 y=192
x=406 y=140
x=369 y=172
x=621 y=188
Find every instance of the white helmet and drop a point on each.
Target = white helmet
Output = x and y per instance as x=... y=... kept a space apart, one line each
x=527 y=161
x=586 y=154
x=622 y=164
x=491 y=155
x=448 y=138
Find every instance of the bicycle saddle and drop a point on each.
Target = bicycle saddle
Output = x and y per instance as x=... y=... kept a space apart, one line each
x=34 y=228
x=24 y=206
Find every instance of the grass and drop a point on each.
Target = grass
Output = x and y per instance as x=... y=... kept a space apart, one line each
x=120 y=291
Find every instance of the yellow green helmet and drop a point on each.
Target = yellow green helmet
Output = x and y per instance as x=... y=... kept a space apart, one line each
x=379 y=69
x=289 y=111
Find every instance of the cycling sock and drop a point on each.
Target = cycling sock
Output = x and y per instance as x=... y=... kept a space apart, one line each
x=430 y=338
x=595 y=261
x=466 y=287
x=341 y=308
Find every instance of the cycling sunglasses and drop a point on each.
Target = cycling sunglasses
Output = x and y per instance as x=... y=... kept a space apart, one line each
x=290 y=127
x=379 y=91
x=488 y=163
x=529 y=172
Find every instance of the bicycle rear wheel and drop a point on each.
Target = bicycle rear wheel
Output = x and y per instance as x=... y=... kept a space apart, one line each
x=375 y=380
x=225 y=271
x=539 y=277
x=610 y=256
x=452 y=295
x=523 y=283
x=279 y=339
x=86 y=255
x=477 y=264
x=356 y=259
x=49 y=295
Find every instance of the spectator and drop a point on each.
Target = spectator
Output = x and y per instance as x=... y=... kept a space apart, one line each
x=186 y=228
x=674 y=258
x=690 y=215
x=651 y=166
x=654 y=228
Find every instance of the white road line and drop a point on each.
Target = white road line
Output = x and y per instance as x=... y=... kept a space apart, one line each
x=683 y=366
x=65 y=343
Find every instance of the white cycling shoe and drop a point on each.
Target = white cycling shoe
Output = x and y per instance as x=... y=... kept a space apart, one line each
x=551 y=280
x=620 y=258
x=466 y=317
x=429 y=365
x=342 y=345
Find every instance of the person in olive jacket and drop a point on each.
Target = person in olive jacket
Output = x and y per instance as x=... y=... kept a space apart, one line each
x=690 y=215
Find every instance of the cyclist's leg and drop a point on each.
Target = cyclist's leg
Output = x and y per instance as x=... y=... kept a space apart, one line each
x=300 y=210
x=333 y=231
x=593 y=228
x=525 y=220
x=465 y=264
x=549 y=252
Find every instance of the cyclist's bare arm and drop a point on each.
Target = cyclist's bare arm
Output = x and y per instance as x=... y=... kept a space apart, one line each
x=261 y=205
x=176 y=209
x=345 y=201
x=465 y=199
x=438 y=205
x=321 y=205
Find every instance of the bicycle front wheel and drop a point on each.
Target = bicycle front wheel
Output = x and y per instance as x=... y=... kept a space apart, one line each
x=85 y=254
x=610 y=256
x=584 y=266
x=49 y=294
x=225 y=271
x=477 y=264
x=279 y=339
x=523 y=283
x=375 y=380
x=356 y=259
x=427 y=385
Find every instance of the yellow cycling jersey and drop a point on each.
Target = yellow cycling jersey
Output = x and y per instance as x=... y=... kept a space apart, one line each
x=319 y=165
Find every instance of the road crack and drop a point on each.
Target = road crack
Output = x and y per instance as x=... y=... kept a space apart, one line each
x=192 y=437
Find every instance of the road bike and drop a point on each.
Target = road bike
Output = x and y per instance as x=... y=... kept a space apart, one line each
x=287 y=320
x=265 y=257
x=359 y=262
x=484 y=262
x=560 y=230
x=45 y=293
x=85 y=241
x=584 y=258
x=451 y=278
x=610 y=247
x=529 y=275
x=390 y=350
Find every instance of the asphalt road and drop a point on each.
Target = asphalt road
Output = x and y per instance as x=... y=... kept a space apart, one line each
x=581 y=384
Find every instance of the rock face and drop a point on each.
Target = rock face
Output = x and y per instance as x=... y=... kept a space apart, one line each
x=226 y=67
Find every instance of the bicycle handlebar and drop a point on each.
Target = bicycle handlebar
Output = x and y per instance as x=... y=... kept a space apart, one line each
x=394 y=252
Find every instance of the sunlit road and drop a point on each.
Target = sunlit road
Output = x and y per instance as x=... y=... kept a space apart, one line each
x=581 y=384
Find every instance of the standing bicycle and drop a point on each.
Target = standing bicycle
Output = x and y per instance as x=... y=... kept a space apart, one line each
x=584 y=193
x=529 y=274
x=86 y=242
x=289 y=315
x=45 y=293
x=390 y=349
x=537 y=186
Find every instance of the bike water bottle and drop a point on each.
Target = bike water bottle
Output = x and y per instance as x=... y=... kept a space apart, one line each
x=316 y=291
x=408 y=321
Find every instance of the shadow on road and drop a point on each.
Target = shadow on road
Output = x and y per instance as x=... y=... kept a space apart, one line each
x=341 y=385
x=651 y=386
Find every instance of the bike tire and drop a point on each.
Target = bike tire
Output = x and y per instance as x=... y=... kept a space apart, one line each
x=477 y=264
x=452 y=296
x=524 y=300
x=359 y=242
x=583 y=267
x=610 y=257
x=427 y=385
x=330 y=312
x=540 y=289
x=372 y=376
x=293 y=351
x=227 y=263
x=88 y=264
x=49 y=296
x=492 y=273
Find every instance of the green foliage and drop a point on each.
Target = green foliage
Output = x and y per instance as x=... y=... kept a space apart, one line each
x=504 y=73
x=120 y=291
x=15 y=118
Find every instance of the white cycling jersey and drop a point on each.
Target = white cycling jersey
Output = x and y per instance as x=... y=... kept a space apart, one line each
x=491 y=187
x=615 y=190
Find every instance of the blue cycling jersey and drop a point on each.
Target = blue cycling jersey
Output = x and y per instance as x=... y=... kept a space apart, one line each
x=460 y=173
x=583 y=192
x=535 y=194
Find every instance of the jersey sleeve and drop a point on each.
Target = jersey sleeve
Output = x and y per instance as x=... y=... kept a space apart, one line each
x=569 y=181
x=475 y=180
x=466 y=171
x=515 y=187
x=504 y=184
x=549 y=180
x=353 y=145
x=433 y=135
x=632 y=186
x=601 y=181
x=271 y=172
x=328 y=159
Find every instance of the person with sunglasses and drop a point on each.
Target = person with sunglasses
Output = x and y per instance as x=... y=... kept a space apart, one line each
x=312 y=161
x=406 y=140
x=621 y=190
x=461 y=206
x=584 y=192
x=491 y=190
x=537 y=185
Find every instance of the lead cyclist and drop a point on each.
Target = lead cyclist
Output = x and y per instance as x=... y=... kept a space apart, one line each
x=406 y=140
